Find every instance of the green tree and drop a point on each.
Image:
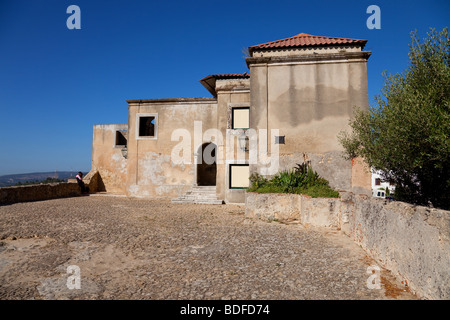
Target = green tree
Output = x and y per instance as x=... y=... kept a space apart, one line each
x=406 y=133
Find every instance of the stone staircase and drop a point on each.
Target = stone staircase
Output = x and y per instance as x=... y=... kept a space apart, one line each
x=199 y=195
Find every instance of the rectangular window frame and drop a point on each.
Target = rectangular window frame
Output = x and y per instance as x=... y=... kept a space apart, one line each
x=140 y=115
x=232 y=117
x=280 y=139
x=123 y=132
x=230 y=175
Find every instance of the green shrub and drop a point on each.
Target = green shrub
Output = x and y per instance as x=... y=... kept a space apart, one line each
x=322 y=191
x=256 y=181
x=268 y=188
x=288 y=181
x=301 y=180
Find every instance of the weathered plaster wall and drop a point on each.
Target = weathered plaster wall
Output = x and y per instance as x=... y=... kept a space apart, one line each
x=310 y=100
x=151 y=171
x=411 y=241
x=343 y=175
x=107 y=159
x=230 y=93
x=9 y=195
x=361 y=177
x=330 y=165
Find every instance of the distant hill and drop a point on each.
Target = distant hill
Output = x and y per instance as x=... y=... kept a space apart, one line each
x=12 y=179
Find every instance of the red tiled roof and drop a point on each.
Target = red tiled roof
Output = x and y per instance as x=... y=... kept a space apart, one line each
x=228 y=76
x=308 y=40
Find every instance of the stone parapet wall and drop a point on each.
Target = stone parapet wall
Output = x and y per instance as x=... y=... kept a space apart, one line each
x=93 y=181
x=9 y=195
x=269 y=206
x=411 y=241
x=324 y=212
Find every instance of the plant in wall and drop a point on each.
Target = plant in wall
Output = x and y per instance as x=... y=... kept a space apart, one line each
x=300 y=180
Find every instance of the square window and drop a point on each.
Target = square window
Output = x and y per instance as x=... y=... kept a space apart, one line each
x=146 y=126
x=240 y=118
x=280 y=140
x=121 y=138
x=239 y=176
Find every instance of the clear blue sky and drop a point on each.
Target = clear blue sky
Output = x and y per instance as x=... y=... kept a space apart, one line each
x=56 y=83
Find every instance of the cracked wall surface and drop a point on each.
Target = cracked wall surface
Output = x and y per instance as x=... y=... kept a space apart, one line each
x=310 y=102
x=151 y=171
x=107 y=158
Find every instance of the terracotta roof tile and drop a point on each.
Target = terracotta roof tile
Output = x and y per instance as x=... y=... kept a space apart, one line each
x=308 y=40
x=209 y=82
x=229 y=76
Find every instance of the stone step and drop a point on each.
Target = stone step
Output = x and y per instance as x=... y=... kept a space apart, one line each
x=194 y=197
x=199 y=195
x=201 y=192
x=209 y=202
x=203 y=187
x=197 y=201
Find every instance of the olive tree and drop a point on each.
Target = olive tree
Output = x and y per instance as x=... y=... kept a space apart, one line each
x=406 y=133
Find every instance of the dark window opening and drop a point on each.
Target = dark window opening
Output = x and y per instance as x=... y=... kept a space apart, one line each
x=377 y=181
x=121 y=139
x=280 y=140
x=147 y=126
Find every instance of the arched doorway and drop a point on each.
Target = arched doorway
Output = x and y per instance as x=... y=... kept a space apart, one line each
x=206 y=165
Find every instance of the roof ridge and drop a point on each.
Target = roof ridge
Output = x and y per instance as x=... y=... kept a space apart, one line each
x=304 y=35
x=311 y=35
x=353 y=39
x=305 y=39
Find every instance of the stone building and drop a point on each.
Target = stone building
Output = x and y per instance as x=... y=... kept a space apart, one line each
x=289 y=108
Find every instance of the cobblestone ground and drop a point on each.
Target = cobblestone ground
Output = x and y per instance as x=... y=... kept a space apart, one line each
x=153 y=249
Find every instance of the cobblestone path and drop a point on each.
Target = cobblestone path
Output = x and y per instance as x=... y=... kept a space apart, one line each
x=153 y=249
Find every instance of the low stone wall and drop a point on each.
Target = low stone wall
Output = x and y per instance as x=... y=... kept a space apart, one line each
x=269 y=206
x=284 y=207
x=94 y=181
x=411 y=241
x=9 y=195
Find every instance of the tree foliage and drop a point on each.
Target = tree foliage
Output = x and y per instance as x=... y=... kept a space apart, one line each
x=406 y=133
